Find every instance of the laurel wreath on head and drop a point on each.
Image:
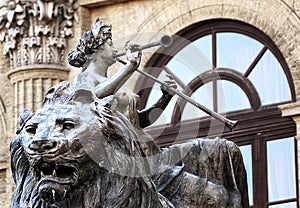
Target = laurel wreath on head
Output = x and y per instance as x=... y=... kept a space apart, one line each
x=89 y=43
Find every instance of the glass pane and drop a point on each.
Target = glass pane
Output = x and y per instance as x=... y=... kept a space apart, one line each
x=286 y=205
x=270 y=81
x=192 y=60
x=281 y=169
x=204 y=44
x=236 y=51
x=231 y=97
x=247 y=157
x=204 y=96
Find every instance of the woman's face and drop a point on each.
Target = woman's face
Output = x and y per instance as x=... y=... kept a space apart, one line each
x=107 y=52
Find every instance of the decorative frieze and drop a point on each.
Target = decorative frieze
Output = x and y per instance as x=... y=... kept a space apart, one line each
x=35 y=31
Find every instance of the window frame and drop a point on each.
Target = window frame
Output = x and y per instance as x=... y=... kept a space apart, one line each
x=213 y=26
x=256 y=125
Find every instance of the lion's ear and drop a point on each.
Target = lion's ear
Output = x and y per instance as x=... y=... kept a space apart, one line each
x=24 y=116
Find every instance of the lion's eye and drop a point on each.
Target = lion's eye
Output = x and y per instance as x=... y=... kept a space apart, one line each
x=31 y=129
x=68 y=125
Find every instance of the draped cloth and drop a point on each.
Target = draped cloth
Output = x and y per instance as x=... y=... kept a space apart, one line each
x=216 y=161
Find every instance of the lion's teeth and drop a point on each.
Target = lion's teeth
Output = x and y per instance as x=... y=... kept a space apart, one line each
x=75 y=175
x=54 y=173
x=42 y=174
x=53 y=195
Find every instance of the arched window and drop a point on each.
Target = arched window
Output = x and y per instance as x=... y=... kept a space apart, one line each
x=236 y=70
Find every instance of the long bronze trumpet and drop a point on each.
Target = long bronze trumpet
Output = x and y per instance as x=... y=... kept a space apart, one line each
x=164 y=41
x=228 y=123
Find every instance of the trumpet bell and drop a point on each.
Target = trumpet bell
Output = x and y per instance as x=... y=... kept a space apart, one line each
x=166 y=40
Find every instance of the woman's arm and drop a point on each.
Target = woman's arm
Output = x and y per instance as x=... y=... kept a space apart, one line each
x=116 y=81
x=150 y=115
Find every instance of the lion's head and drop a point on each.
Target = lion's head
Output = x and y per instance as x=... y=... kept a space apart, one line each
x=62 y=153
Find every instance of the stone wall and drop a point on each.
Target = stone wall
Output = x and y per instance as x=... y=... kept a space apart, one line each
x=6 y=111
x=144 y=21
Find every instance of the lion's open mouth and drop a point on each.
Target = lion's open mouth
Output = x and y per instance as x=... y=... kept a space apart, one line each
x=63 y=174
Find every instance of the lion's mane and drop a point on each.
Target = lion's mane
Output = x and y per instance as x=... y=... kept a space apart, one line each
x=104 y=188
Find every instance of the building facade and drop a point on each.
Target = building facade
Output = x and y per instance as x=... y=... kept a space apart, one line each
x=237 y=57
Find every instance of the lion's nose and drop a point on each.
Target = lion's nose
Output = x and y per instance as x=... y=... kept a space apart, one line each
x=42 y=146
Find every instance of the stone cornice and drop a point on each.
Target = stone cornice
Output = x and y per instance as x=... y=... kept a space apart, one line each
x=38 y=71
x=290 y=109
x=99 y=3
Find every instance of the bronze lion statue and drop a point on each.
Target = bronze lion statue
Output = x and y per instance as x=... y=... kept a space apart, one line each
x=55 y=160
x=78 y=151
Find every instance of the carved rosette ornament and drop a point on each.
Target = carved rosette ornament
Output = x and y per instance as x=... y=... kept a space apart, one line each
x=35 y=31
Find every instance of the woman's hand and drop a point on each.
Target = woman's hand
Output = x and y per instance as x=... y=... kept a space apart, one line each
x=171 y=84
x=133 y=57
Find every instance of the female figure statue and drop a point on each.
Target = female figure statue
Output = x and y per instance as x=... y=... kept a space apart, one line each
x=95 y=54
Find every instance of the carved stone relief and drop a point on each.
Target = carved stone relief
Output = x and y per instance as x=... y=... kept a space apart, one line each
x=35 y=31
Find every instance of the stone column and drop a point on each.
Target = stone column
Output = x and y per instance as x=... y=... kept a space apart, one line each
x=34 y=36
x=30 y=85
x=35 y=39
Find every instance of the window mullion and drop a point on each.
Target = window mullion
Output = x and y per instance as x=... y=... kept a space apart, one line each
x=214 y=65
x=214 y=50
x=255 y=61
x=260 y=193
x=215 y=95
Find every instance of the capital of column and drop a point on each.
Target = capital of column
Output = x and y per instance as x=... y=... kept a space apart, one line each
x=36 y=32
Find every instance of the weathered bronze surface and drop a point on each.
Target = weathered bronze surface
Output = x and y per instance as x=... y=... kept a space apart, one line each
x=85 y=146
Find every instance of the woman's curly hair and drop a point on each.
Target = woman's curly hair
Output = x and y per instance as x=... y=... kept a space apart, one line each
x=89 y=43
